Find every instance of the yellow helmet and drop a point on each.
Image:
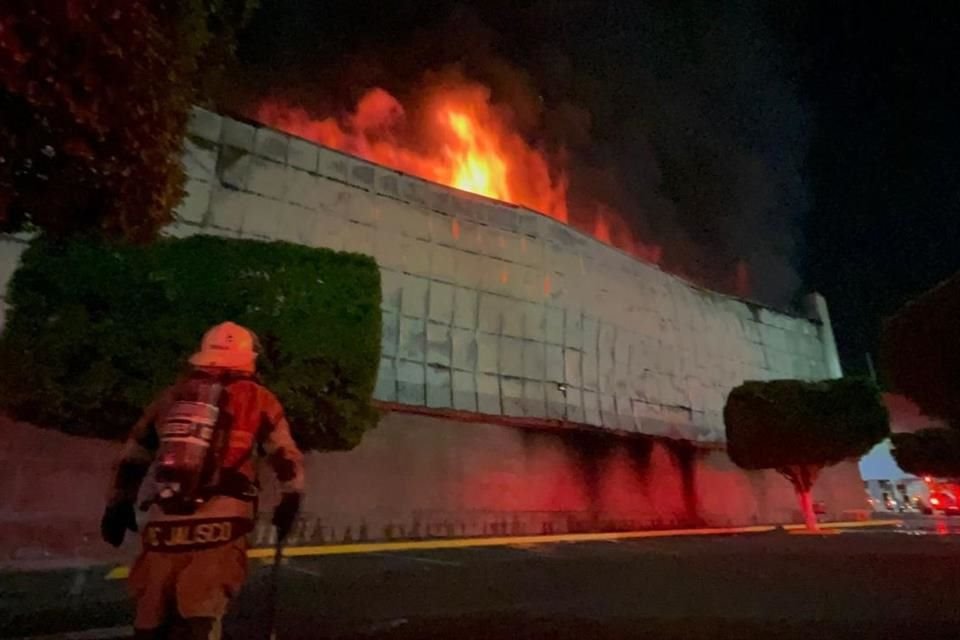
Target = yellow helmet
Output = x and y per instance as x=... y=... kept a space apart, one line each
x=227 y=346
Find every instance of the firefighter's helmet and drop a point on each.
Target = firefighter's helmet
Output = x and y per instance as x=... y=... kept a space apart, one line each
x=227 y=346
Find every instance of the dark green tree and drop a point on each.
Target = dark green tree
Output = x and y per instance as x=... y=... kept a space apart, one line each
x=920 y=352
x=94 y=101
x=928 y=452
x=798 y=428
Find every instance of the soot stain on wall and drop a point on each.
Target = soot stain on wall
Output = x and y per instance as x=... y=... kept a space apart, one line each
x=685 y=454
x=591 y=453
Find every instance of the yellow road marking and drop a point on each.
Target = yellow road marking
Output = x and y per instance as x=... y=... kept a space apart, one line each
x=122 y=572
x=118 y=573
x=856 y=524
x=461 y=543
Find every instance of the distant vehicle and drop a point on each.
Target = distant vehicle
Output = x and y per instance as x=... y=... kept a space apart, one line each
x=890 y=503
x=944 y=495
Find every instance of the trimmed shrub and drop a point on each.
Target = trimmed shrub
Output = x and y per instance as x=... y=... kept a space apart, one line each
x=780 y=423
x=95 y=330
x=799 y=427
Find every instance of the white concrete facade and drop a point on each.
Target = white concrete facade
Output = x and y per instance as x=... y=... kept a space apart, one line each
x=494 y=309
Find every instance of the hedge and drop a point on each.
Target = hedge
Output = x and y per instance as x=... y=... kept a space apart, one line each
x=95 y=330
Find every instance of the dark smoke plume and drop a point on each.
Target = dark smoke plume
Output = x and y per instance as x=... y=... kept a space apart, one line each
x=678 y=115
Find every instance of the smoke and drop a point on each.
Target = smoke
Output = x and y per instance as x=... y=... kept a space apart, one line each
x=676 y=122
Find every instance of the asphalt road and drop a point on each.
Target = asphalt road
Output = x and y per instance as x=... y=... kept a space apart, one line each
x=869 y=584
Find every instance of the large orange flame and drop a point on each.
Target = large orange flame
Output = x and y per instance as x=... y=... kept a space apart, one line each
x=457 y=137
x=477 y=167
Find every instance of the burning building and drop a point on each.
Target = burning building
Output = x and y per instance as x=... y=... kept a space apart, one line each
x=534 y=379
x=455 y=136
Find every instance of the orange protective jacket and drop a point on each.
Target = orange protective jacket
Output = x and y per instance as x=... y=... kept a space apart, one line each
x=258 y=427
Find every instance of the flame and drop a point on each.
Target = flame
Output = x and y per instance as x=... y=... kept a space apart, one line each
x=611 y=228
x=477 y=166
x=454 y=135
x=601 y=228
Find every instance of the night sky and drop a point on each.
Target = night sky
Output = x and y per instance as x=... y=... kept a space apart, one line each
x=819 y=145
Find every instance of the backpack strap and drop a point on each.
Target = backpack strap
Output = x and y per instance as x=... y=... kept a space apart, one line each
x=220 y=397
x=228 y=481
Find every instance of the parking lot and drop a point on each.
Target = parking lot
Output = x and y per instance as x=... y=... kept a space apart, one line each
x=862 y=583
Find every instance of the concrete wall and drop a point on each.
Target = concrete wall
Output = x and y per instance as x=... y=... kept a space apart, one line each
x=52 y=491
x=441 y=478
x=423 y=477
x=494 y=309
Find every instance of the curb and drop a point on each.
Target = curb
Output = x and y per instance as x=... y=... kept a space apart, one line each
x=121 y=572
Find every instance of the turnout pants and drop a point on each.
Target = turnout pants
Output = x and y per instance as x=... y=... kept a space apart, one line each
x=184 y=594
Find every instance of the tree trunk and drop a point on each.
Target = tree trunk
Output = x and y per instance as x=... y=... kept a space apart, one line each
x=806 y=506
x=802 y=478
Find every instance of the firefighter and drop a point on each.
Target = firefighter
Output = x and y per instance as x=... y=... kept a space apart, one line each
x=201 y=437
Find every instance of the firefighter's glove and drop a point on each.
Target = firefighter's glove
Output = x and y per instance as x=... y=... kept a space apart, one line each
x=286 y=513
x=117 y=519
